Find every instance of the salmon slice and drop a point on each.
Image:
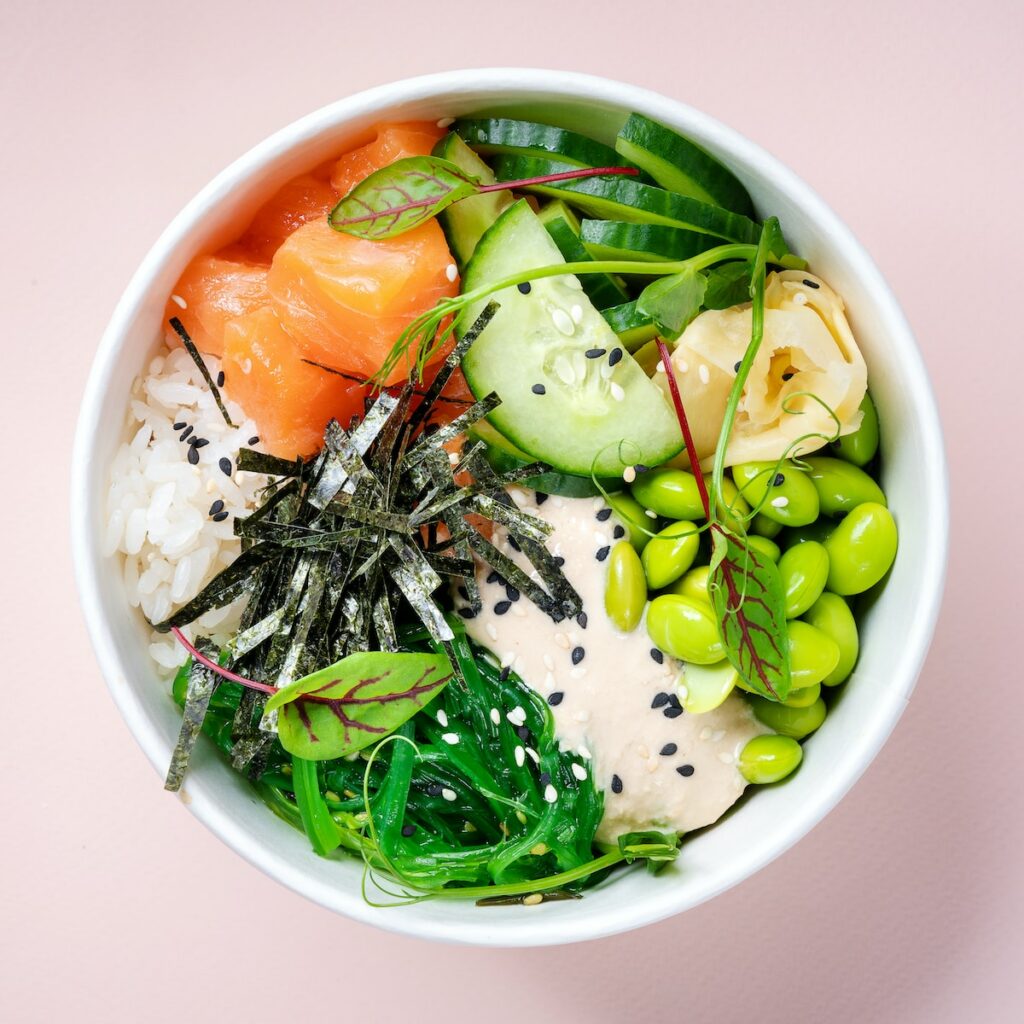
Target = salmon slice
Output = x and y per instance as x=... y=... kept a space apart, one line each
x=392 y=142
x=214 y=290
x=290 y=400
x=305 y=198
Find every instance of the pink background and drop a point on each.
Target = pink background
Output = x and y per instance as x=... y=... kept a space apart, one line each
x=904 y=905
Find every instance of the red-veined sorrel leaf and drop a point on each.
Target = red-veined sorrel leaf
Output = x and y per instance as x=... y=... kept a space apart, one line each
x=355 y=702
x=746 y=590
x=401 y=196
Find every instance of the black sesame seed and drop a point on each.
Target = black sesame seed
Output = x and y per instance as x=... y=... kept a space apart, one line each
x=736 y=366
x=254 y=440
x=787 y=376
x=522 y=732
x=559 y=561
x=668 y=750
x=616 y=784
x=779 y=480
x=541 y=498
x=185 y=433
x=468 y=613
x=220 y=379
x=641 y=468
x=673 y=701
x=501 y=607
x=512 y=592
x=524 y=288
x=220 y=517
x=408 y=830
x=672 y=712
x=811 y=284
x=493 y=577
x=180 y=425
x=225 y=465
x=619 y=532
x=595 y=353
x=434 y=789
x=614 y=356
x=544 y=778
x=686 y=770
x=513 y=543
x=578 y=654
x=505 y=673
x=193 y=456
x=602 y=553
x=554 y=699
x=581 y=620
x=604 y=515
x=217 y=506
x=538 y=389
x=657 y=656
x=199 y=442
x=660 y=700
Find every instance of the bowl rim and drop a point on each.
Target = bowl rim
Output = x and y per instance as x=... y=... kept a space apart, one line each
x=557 y=84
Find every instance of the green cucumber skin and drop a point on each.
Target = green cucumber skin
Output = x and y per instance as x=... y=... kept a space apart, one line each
x=625 y=240
x=563 y=484
x=680 y=165
x=623 y=198
x=580 y=424
x=633 y=327
x=601 y=288
x=557 y=210
x=465 y=222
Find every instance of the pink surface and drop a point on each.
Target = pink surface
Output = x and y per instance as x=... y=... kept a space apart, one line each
x=904 y=905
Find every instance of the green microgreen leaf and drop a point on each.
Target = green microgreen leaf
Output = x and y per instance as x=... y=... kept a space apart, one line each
x=728 y=285
x=672 y=302
x=355 y=702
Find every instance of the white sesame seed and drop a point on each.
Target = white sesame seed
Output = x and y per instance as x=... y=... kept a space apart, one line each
x=629 y=474
x=584 y=752
x=520 y=757
x=450 y=738
x=718 y=735
x=445 y=121
x=660 y=368
x=682 y=366
x=576 y=312
x=442 y=719
x=492 y=630
x=705 y=733
x=533 y=900
x=582 y=716
x=650 y=513
x=495 y=716
x=800 y=299
x=726 y=758
x=519 y=610
x=507 y=658
x=534 y=756
x=704 y=373
x=517 y=716
x=600 y=539
x=549 y=680
x=579 y=771
x=549 y=663
x=616 y=389
x=563 y=322
x=179 y=301
x=550 y=793
x=451 y=271
x=562 y=640
x=448 y=794
x=453 y=458
x=781 y=502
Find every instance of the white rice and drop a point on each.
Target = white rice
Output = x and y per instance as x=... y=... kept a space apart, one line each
x=159 y=524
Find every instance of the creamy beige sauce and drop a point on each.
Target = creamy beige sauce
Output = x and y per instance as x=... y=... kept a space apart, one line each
x=606 y=712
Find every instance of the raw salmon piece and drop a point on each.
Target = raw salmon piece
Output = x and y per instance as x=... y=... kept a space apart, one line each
x=346 y=300
x=214 y=290
x=392 y=142
x=299 y=201
x=291 y=401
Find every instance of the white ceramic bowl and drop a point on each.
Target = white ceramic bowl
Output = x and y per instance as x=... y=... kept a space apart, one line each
x=895 y=632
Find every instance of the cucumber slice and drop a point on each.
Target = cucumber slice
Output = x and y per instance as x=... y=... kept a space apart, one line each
x=623 y=198
x=633 y=327
x=602 y=289
x=557 y=209
x=576 y=413
x=500 y=135
x=485 y=431
x=680 y=165
x=621 y=240
x=464 y=222
x=562 y=484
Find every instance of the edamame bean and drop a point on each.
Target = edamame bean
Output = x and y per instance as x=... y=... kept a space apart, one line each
x=794 y=722
x=625 y=591
x=841 y=486
x=812 y=654
x=832 y=615
x=804 y=570
x=765 y=527
x=769 y=758
x=638 y=525
x=861 y=549
x=685 y=628
x=804 y=697
x=733 y=508
x=791 y=497
x=704 y=687
x=764 y=546
x=669 y=554
x=669 y=492
x=860 y=446
x=694 y=584
x=819 y=530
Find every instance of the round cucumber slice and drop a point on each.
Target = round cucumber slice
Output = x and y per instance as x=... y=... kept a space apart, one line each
x=621 y=240
x=571 y=396
x=680 y=165
x=622 y=198
x=602 y=289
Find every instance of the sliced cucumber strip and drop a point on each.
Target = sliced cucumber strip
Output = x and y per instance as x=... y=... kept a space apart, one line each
x=555 y=209
x=622 y=198
x=563 y=484
x=680 y=165
x=633 y=327
x=602 y=289
x=570 y=395
x=464 y=222
x=621 y=240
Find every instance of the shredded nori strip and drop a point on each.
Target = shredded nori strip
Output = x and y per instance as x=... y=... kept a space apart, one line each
x=201 y=684
x=197 y=358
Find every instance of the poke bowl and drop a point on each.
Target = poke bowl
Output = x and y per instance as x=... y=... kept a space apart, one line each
x=620 y=539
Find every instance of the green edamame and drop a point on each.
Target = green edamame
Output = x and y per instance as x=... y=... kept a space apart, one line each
x=762 y=526
x=669 y=492
x=668 y=555
x=626 y=588
x=812 y=654
x=764 y=546
x=694 y=584
x=638 y=525
x=784 y=494
x=769 y=758
x=685 y=628
x=733 y=508
x=704 y=687
x=794 y=722
x=832 y=615
x=804 y=697
x=842 y=486
x=861 y=549
x=804 y=571
x=819 y=530
x=860 y=446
